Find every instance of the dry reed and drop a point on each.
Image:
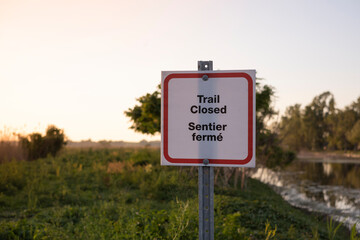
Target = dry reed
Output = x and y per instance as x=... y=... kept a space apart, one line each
x=10 y=148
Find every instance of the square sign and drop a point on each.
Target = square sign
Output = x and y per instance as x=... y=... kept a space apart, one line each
x=208 y=117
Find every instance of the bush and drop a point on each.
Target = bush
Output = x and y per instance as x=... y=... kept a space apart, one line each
x=37 y=146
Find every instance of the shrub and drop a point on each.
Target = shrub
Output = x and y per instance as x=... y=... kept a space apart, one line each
x=37 y=146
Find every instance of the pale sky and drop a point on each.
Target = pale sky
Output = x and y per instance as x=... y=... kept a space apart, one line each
x=79 y=64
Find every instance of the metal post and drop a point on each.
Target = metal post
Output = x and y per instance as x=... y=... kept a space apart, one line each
x=206 y=186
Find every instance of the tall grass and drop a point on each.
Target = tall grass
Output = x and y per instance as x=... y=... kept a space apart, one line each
x=10 y=148
x=332 y=229
x=353 y=233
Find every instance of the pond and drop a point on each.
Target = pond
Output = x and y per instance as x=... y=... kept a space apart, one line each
x=328 y=186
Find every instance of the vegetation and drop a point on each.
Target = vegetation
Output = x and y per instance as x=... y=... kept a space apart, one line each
x=146 y=118
x=37 y=146
x=268 y=150
x=10 y=148
x=15 y=146
x=321 y=126
x=125 y=194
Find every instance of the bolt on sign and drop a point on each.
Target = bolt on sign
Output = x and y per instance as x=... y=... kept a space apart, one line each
x=208 y=115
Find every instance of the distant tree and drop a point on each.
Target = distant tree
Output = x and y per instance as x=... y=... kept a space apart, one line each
x=339 y=125
x=321 y=125
x=54 y=140
x=315 y=128
x=37 y=146
x=268 y=150
x=264 y=110
x=355 y=106
x=291 y=129
x=353 y=135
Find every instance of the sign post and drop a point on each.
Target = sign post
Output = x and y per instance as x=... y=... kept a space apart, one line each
x=208 y=120
x=206 y=184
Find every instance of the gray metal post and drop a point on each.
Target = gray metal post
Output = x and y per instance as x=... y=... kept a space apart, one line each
x=206 y=186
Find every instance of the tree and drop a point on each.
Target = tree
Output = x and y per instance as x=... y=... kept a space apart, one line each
x=355 y=106
x=268 y=150
x=321 y=125
x=353 y=135
x=37 y=146
x=339 y=125
x=291 y=129
x=264 y=110
x=146 y=116
x=315 y=129
x=54 y=140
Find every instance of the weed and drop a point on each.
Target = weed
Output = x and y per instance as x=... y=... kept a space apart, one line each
x=315 y=233
x=269 y=233
x=353 y=234
x=332 y=229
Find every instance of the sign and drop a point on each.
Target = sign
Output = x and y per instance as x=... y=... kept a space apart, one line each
x=208 y=117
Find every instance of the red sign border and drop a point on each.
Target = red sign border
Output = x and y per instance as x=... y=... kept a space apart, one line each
x=250 y=118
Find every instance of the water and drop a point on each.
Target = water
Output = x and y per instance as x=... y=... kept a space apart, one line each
x=327 y=186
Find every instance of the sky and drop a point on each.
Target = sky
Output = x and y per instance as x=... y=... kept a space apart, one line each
x=79 y=64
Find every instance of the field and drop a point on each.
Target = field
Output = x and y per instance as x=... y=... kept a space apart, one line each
x=124 y=193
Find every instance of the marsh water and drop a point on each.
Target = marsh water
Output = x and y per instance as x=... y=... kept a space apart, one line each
x=328 y=186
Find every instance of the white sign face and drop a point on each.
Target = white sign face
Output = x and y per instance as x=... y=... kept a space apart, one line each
x=210 y=119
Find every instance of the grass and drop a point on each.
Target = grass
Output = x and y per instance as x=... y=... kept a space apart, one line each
x=125 y=194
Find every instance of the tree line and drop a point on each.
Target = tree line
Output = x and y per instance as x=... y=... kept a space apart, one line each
x=320 y=125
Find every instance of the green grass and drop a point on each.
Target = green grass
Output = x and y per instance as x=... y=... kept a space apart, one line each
x=125 y=194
